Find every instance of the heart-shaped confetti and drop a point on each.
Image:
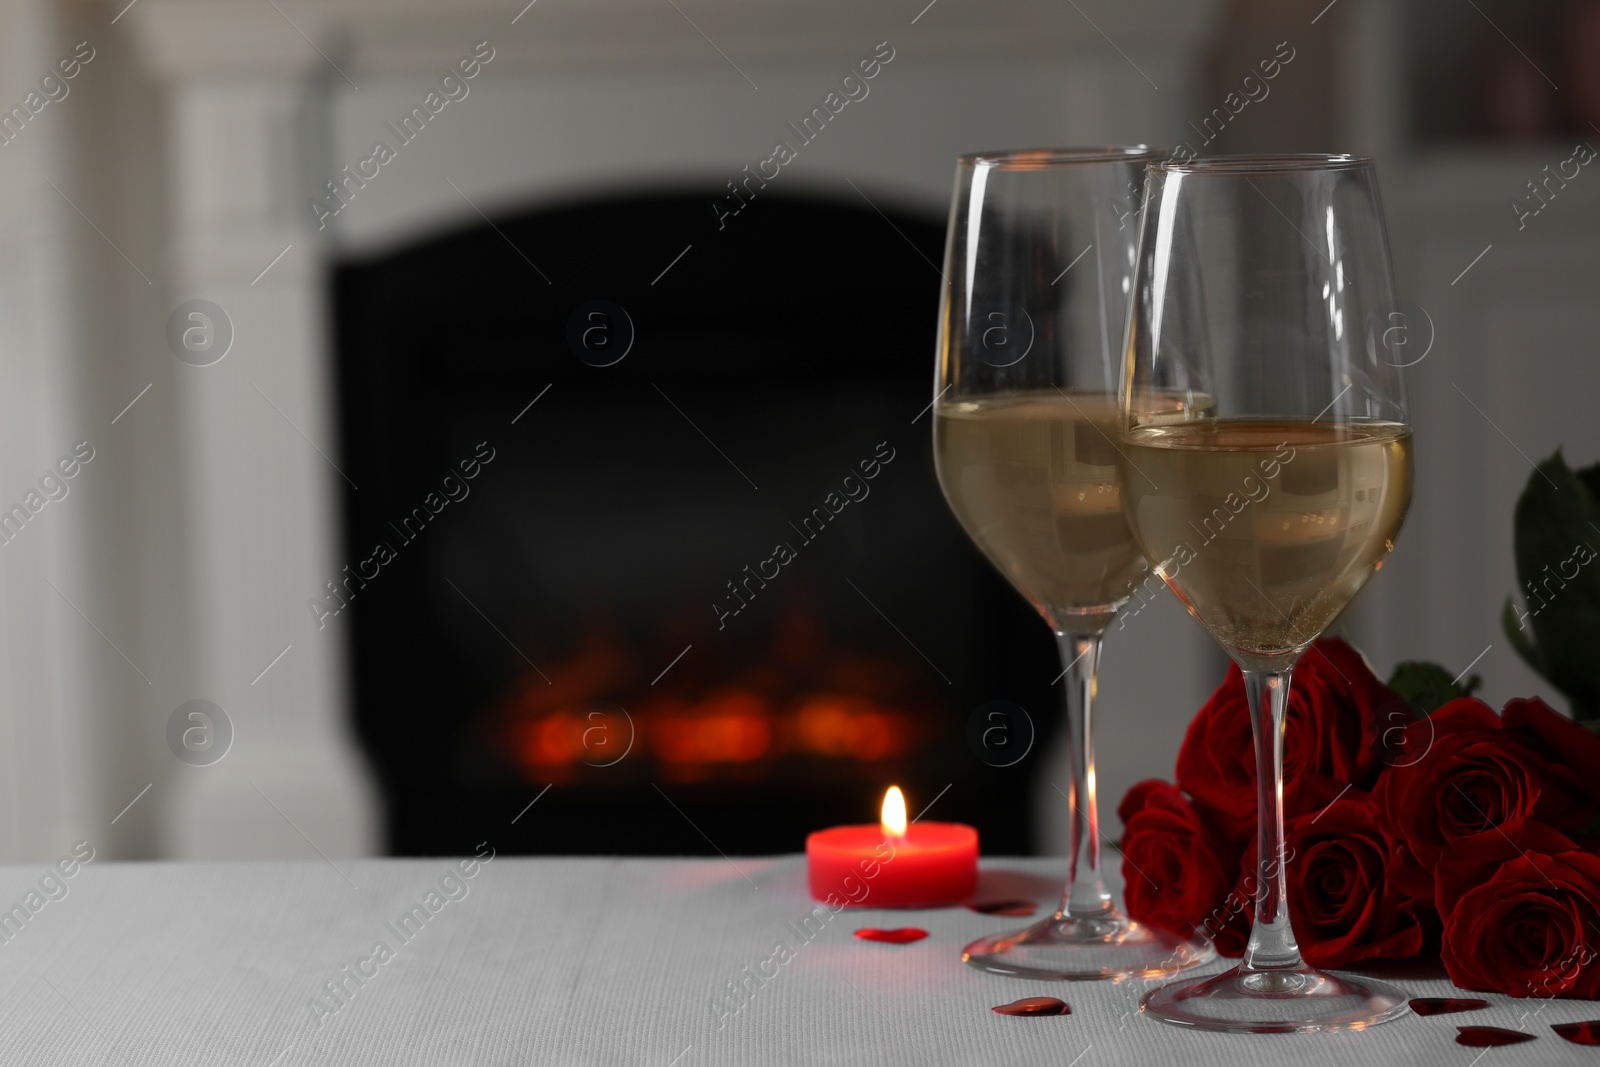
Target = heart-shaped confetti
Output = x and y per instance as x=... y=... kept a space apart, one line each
x=1579 y=1033
x=903 y=935
x=1012 y=908
x=1490 y=1036
x=1446 y=1005
x=1034 y=1006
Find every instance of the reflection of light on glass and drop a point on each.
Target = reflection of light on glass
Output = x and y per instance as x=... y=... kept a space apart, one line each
x=1334 y=310
x=893 y=818
x=1163 y=257
x=1273 y=683
x=980 y=178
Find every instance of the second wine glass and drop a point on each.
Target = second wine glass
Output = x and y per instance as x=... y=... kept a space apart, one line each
x=1039 y=267
x=1264 y=291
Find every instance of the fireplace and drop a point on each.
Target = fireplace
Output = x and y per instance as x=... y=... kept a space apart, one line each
x=692 y=571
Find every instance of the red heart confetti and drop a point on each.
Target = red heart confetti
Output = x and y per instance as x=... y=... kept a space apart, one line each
x=1490 y=1036
x=1446 y=1005
x=903 y=935
x=1013 y=908
x=1034 y=1006
x=1579 y=1033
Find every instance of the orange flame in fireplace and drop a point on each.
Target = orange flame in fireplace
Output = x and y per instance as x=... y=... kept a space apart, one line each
x=802 y=702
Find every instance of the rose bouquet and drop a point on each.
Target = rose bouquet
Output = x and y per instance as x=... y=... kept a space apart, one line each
x=1460 y=832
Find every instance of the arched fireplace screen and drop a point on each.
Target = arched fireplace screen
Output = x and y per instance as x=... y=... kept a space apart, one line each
x=643 y=509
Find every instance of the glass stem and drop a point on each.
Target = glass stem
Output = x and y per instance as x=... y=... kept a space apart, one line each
x=1085 y=895
x=1272 y=946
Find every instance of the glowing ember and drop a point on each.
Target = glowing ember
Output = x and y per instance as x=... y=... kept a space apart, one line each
x=802 y=701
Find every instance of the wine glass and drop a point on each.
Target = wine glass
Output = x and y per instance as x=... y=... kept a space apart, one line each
x=1039 y=267
x=1263 y=290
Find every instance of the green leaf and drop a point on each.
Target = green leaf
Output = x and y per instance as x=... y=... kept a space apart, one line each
x=1557 y=537
x=1591 y=828
x=1590 y=477
x=1426 y=686
x=1512 y=622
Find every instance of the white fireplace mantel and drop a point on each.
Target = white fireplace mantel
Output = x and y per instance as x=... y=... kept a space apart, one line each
x=240 y=38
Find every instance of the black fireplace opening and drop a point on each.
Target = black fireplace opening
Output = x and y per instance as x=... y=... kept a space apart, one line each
x=647 y=535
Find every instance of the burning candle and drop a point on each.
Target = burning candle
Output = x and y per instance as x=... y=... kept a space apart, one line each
x=892 y=864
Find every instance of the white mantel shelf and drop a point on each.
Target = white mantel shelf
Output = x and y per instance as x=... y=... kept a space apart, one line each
x=233 y=38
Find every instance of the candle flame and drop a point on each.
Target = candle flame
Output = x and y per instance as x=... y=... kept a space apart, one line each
x=893 y=818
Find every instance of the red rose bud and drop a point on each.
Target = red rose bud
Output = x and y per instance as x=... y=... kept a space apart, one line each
x=1466 y=772
x=1339 y=714
x=1521 y=908
x=1176 y=873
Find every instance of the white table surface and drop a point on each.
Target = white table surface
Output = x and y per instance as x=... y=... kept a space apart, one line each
x=586 y=961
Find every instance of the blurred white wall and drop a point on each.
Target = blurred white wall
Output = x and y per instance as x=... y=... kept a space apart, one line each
x=178 y=165
x=1511 y=372
x=52 y=684
x=182 y=160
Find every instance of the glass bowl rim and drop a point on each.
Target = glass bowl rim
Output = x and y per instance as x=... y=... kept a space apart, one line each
x=1036 y=158
x=1271 y=163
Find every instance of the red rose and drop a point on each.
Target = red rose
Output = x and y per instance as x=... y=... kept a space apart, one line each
x=1337 y=716
x=1343 y=907
x=1176 y=873
x=1521 y=907
x=1575 y=745
x=1469 y=773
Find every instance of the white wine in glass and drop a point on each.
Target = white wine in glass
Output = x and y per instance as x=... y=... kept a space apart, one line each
x=1272 y=560
x=1033 y=479
x=1026 y=416
x=1264 y=283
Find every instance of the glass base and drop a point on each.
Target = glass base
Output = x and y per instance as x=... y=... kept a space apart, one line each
x=1301 y=1001
x=1109 y=945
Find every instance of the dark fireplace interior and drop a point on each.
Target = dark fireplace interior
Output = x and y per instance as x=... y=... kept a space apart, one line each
x=545 y=595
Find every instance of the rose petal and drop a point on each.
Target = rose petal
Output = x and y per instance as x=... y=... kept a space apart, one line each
x=1579 y=1033
x=1578 y=747
x=1490 y=1036
x=1034 y=1006
x=1472 y=860
x=1013 y=908
x=1446 y=1005
x=902 y=935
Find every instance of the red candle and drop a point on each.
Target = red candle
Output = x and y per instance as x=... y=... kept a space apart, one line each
x=893 y=865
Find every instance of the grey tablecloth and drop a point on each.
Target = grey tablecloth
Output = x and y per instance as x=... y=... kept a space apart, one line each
x=580 y=962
